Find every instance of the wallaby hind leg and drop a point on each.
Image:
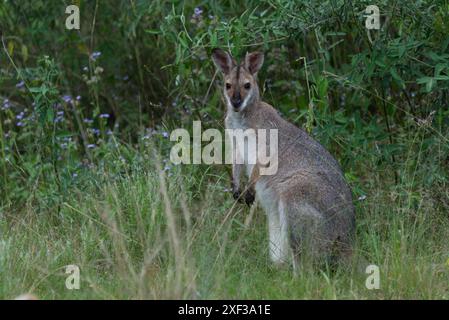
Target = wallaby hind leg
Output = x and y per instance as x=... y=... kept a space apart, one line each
x=278 y=233
x=307 y=235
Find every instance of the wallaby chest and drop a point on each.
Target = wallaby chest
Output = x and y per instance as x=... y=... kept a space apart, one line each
x=244 y=152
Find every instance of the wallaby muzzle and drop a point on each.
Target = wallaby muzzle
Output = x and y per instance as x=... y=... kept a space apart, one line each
x=236 y=101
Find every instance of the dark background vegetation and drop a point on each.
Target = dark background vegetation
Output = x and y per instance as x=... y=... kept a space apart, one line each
x=146 y=65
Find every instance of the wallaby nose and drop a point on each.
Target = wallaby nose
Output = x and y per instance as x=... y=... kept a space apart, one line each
x=236 y=102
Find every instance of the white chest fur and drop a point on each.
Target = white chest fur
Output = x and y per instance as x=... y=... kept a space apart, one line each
x=246 y=152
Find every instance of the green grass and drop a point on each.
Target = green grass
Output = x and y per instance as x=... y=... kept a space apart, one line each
x=134 y=237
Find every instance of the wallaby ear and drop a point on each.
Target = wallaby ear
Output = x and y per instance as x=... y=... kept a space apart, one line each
x=254 y=61
x=223 y=60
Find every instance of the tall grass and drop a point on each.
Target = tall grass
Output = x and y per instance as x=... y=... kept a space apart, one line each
x=145 y=232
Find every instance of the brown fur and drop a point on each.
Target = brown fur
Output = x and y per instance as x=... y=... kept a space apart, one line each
x=309 y=190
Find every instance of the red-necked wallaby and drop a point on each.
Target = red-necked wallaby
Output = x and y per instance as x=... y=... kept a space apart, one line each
x=307 y=201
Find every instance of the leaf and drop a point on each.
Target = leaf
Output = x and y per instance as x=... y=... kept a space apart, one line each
x=154 y=31
x=397 y=77
x=35 y=89
x=10 y=48
x=24 y=50
x=83 y=48
x=440 y=67
x=429 y=85
x=429 y=82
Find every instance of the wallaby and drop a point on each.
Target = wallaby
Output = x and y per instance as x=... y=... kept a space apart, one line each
x=308 y=203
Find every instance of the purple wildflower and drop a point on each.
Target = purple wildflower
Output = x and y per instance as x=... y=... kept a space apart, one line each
x=91 y=146
x=20 y=116
x=198 y=11
x=104 y=115
x=20 y=85
x=165 y=134
x=78 y=98
x=94 y=56
x=67 y=98
x=59 y=119
x=88 y=121
x=6 y=104
x=20 y=124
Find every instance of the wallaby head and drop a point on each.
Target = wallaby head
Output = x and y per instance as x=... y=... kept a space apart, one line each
x=240 y=83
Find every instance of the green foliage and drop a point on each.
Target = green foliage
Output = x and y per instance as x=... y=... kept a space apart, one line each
x=85 y=114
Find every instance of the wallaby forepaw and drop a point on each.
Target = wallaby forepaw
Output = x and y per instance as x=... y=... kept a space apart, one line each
x=249 y=198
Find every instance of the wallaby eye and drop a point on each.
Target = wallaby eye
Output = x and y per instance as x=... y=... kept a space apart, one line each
x=228 y=86
x=247 y=85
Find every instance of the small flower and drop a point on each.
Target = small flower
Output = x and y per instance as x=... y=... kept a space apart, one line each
x=75 y=175
x=78 y=98
x=20 y=85
x=109 y=132
x=98 y=70
x=59 y=119
x=67 y=98
x=165 y=134
x=6 y=104
x=94 y=56
x=88 y=121
x=20 y=116
x=91 y=146
x=20 y=124
x=60 y=113
x=198 y=11
x=363 y=197
x=85 y=69
x=63 y=145
x=104 y=115
x=197 y=16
